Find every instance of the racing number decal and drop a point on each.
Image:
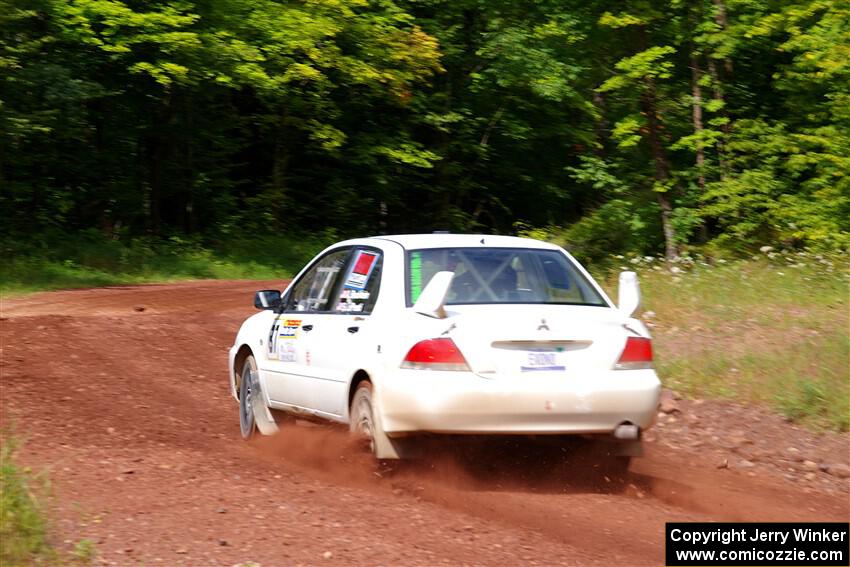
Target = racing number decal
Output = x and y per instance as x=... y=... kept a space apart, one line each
x=271 y=351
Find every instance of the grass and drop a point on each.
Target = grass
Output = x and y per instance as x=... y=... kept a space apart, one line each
x=87 y=260
x=23 y=524
x=770 y=330
x=24 y=527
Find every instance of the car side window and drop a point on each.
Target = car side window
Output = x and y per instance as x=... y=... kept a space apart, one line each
x=317 y=286
x=362 y=283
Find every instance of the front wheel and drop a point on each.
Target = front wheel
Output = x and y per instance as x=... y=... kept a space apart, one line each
x=253 y=413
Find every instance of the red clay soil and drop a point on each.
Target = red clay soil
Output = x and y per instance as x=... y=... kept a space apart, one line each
x=129 y=412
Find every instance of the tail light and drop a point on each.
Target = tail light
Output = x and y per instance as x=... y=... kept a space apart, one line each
x=435 y=354
x=636 y=354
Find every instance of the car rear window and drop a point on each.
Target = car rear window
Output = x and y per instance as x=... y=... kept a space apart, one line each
x=501 y=275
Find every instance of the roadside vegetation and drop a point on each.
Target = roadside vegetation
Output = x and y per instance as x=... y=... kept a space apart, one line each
x=24 y=525
x=771 y=329
x=88 y=260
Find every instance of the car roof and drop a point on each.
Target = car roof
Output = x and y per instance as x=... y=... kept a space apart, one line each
x=443 y=240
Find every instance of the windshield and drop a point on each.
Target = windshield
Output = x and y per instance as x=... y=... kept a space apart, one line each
x=501 y=275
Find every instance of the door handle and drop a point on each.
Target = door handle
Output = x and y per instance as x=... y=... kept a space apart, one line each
x=307 y=328
x=353 y=330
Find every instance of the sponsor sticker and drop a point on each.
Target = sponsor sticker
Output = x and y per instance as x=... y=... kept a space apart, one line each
x=287 y=351
x=349 y=307
x=361 y=269
x=289 y=329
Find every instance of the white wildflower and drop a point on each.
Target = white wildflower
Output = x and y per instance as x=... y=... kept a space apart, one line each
x=675 y=270
x=766 y=249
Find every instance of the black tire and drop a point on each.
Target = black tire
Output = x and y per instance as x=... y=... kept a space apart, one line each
x=254 y=415
x=362 y=416
x=248 y=388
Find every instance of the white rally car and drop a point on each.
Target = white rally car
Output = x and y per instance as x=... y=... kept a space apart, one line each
x=402 y=337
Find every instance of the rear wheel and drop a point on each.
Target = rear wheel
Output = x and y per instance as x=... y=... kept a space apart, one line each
x=362 y=422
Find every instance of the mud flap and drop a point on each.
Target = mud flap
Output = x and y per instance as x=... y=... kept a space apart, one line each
x=263 y=417
x=387 y=447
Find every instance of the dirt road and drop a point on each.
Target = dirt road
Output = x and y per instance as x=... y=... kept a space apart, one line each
x=129 y=411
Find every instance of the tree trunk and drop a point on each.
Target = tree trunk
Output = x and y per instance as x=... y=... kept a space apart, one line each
x=601 y=126
x=662 y=170
x=721 y=141
x=671 y=248
x=696 y=93
x=722 y=21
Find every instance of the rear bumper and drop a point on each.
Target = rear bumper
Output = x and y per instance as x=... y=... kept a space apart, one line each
x=463 y=402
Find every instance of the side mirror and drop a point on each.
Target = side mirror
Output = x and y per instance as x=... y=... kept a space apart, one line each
x=433 y=298
x=629 y=292
x=267 y=299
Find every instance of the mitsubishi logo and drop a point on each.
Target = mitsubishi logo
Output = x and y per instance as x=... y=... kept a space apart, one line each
x=543 y=326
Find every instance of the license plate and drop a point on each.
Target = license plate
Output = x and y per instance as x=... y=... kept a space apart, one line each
x=542 y=360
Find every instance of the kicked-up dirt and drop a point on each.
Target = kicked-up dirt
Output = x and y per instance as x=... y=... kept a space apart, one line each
x=121 y=394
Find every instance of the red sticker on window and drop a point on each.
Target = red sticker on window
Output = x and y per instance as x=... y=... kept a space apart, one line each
x=362 y=269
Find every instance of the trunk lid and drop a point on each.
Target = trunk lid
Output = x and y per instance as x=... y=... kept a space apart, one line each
x=511 y=340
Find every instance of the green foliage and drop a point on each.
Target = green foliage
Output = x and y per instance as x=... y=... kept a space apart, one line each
x=651 y=63
x=627 y=123
x=788 y=191
x=23 y=523
x=617 y=227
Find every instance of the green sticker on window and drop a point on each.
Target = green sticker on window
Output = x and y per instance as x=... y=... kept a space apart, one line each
x=415 y=276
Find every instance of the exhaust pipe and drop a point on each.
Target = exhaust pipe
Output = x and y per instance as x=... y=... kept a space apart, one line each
x=627 y=432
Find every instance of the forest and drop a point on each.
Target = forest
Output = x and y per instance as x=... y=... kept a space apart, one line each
x=633 y=126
